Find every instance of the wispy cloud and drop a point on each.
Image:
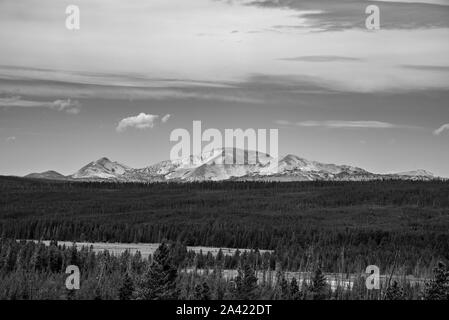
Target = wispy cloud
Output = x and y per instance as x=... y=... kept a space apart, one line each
x=82 y=85
x=283 y=122
x=434 y=2
x=348 y=124
x=342 y=124
x=321 y=59
x=426 y=67
x=68 y=105
x=441 y=129
x=165 y=118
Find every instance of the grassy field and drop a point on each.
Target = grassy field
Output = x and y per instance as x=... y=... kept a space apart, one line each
x=145 y=249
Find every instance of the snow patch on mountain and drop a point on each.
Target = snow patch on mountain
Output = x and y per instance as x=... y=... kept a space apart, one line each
x=416 y=173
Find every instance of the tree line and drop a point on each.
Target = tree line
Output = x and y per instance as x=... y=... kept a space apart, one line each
x=30 y=270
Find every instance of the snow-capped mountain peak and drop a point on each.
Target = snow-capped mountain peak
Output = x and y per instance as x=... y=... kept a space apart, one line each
x=294 y=163
x=215 y=164
x=231 y=163
x=103 y=168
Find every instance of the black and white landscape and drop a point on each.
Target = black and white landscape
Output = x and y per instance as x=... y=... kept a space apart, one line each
x=122 y=175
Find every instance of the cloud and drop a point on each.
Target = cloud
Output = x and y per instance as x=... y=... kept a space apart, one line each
x=426 y=67
x=348 y=124
x=338 y=15
x=342 y=124
x=321 y=59
x=141 y=121
x=440 y=130
x=435 y=2
x=50 y=83
x=282 y=122
x=68 y=105
x=165 y=118
x=221 y=58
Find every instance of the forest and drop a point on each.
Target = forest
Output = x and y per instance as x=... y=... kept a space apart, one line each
x=320 y=227
x=34 y=271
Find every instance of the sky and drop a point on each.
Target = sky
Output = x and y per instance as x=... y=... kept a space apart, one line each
x=136 y=70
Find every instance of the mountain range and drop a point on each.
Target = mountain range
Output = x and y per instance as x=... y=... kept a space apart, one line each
x=214 y=166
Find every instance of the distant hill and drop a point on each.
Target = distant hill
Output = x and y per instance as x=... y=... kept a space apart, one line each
x=49 y=175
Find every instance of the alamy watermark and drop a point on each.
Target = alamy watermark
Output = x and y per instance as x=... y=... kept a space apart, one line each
x=373 y=280
x=189 y=146
x=72 y=282
x=72 y=21
x=372 y=22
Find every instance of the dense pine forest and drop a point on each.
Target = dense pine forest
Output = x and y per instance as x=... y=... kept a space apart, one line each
x=31 y=270
x=334 y=227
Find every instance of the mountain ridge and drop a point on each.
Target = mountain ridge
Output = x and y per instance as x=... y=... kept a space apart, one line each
x=219 y=165
x=49 y=175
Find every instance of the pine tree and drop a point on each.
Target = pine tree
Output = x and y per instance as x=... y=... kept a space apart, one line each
x=97 y=293
x=127 y=288
x=202 y=292
x=438 y=288
x=159 y=281
x=285 y=290
x=294 y=290
x=246 y=283
x=220 y=257
x=8 y=262
x=36 y=259
x=197 y=294
x=282 y=291
x=319 y=285
x=21 y=259
x=206 y=294
x=394 y=292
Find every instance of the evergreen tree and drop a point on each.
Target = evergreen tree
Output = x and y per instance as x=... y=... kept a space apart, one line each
x=197 y=295
x=97 y=293
x=21 y=259
x=246 y=283
x=282 y=288
x=37 y=259
x=318 y=286
x=127 y=288
x=206 y=294
x=294 y=290
x=438 y=288
x=220 y=257
x=159 y=281
x=394 y=292
x=285 y=290
x=202 y=292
